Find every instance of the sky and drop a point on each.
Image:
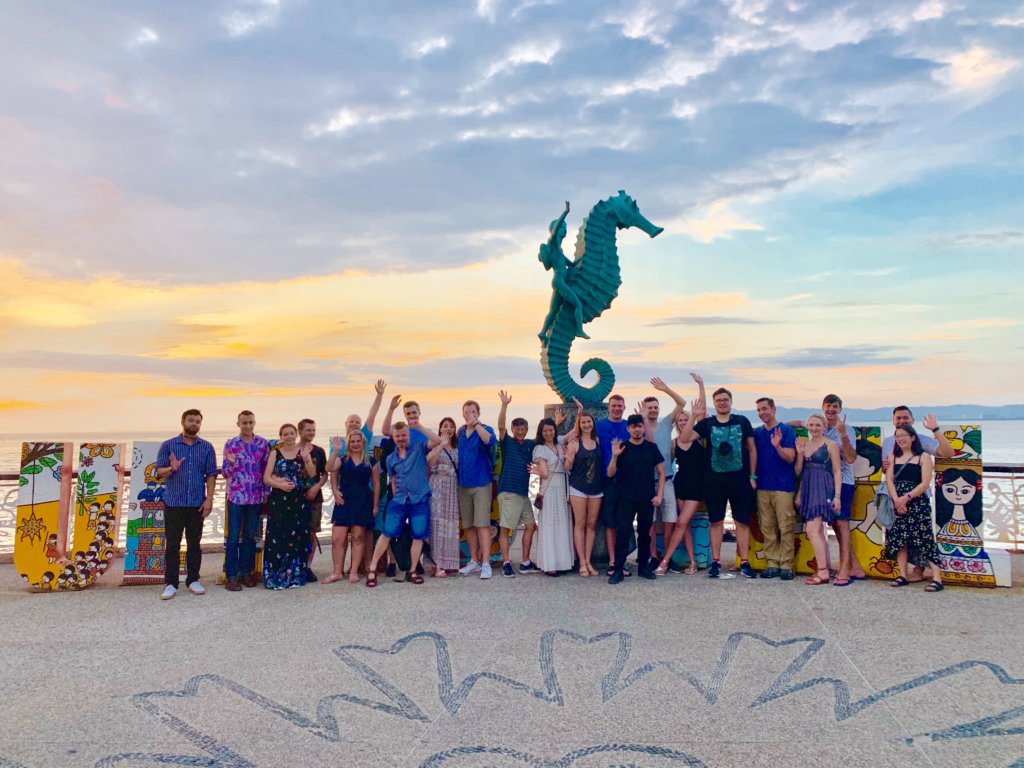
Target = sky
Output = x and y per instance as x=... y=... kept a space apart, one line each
x=269 y=204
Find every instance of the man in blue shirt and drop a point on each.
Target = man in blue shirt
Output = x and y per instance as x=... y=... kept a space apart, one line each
x=407 y=469
x=776 y=484
x=188 y=466
x=475 y=474
x=612 y=427
x=514 y=488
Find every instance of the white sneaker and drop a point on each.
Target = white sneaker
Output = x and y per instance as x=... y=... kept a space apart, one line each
x=471 y=567
x=169 y=591
x=196 y=588
x=485 y=571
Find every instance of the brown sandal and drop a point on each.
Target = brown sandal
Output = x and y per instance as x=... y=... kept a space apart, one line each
x=816 y=580
x=416 y=578
x=371 y=579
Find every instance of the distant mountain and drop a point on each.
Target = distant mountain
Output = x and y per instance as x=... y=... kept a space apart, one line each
x=944 y=413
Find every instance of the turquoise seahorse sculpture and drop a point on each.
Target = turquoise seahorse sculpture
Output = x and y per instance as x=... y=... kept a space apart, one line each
x=593 y=279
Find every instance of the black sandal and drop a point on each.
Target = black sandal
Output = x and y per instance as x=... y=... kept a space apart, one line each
x=935 y=586
x=899 y=581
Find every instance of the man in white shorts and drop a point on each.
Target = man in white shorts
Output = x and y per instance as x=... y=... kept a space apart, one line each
x=659 y=432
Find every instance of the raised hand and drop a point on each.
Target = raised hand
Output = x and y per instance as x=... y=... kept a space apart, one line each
x=639 y=410
x=617 y=447
x=380 y=386
x=776 y=437
x=559 y=416
x=841 y=425
x=395 y=401
x=504 y=396
x=930 y=422
x=579 y=406
x=699 y=409
x=305 y=452
x=659 y=385
x=336 y=443
x=696 y=377
x=801 y=443
x=175 y=462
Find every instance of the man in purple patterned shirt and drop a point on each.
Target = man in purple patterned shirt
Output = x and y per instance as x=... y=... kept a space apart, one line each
x=245 y=458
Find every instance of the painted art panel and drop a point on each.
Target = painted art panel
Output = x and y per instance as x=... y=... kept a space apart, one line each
x=959 y=514
x=44 y=492
x=145 y=542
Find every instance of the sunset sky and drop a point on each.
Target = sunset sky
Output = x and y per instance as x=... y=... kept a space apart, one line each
x=270 y=204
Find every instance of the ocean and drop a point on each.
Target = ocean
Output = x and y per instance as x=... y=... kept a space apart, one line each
x=1002 y=441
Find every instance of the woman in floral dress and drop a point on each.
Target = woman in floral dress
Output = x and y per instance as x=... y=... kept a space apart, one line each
x=443 y=461
x=287 y=544
x=911 y=535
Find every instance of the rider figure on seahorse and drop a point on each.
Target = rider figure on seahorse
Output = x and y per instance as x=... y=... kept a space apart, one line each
x=582 y=289
x=553 y=258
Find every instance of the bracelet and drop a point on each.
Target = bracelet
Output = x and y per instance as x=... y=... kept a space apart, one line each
x=753 y=477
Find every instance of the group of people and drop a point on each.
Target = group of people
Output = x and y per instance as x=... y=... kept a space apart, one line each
x=398 y=504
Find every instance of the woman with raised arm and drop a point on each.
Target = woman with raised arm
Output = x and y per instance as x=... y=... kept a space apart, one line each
x=554 y=528
x=287 y=545
x=443 y=461
x=911 y=536
x=355 y=483
x=818 y=461
x=583 y=463
x=688 y=484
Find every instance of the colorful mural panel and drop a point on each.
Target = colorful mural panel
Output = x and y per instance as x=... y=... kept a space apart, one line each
x=145 y=543
x=959 y=512
x=42 y=553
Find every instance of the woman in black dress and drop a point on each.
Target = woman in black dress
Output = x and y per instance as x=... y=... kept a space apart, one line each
x=911 y=536
x=688 y=484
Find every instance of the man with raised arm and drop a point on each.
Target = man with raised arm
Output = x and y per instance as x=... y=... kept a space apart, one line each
x=407 y=469
x=845 y=437
x=188 y=466
x=475 y=473
x=635 y=464
x=514 y=488
x=612 y=427
x=354 y=424
x=731 y=478
x=659 y=432
x=776 y=486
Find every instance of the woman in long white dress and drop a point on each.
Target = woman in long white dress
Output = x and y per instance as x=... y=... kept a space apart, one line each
x=554 y=520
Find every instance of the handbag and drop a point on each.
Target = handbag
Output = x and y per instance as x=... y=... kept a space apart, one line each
x=539 y=501
x=886 y=514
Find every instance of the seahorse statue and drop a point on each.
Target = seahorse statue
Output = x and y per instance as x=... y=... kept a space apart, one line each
x=582 y=290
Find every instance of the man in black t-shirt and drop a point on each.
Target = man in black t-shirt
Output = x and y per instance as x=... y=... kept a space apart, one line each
x=314 y=489
x=732 y=455
x=633 y=465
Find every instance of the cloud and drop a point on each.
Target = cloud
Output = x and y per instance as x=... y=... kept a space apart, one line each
x=1005 y=238
x=716 y=221
x=254 y=15
x=531 y=52
x=828 y=357
x=429 y=46
x=145 y=36
x=976 y=68
x=709 y=320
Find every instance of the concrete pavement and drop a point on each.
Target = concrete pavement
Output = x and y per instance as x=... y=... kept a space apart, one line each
x=532 y=671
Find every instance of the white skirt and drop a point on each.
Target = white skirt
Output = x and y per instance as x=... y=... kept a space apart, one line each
x=554 y=527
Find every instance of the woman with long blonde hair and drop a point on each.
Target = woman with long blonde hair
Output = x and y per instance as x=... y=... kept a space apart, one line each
x=583 y=463
x=355 y=483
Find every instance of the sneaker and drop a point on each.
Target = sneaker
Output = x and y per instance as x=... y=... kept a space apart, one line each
x=787 y=575
x=485 y=571
x=747 y=571
x=310 y=576
x=507 y=571
x=471 y=567
x=770 y=573
x=169 y=591
x=647 y=573
x=196 y=588
x=715 y=572
x=616 y=577
x=528 y=567
x=232 y=585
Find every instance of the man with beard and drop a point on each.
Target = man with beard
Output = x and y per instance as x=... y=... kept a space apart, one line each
x=314 y=491
x=188 y=466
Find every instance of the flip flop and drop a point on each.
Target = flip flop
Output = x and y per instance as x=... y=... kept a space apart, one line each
x=690 y=570
x=899 y=581
x=330 y=579
x=841 y=582
x=935 y=586
x=858 y=578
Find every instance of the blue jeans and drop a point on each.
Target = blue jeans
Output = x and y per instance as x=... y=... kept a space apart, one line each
x=240 y=547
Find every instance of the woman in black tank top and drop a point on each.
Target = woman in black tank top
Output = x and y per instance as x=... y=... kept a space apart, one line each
x=689 y=487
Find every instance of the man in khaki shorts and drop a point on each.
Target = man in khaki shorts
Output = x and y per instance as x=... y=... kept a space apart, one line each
x=475 y=474
x=514 y=489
